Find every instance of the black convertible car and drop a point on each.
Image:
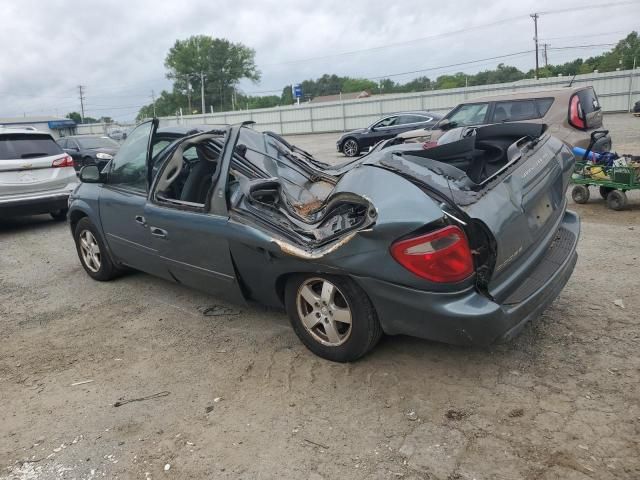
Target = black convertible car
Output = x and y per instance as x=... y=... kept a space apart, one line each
x=356 y=141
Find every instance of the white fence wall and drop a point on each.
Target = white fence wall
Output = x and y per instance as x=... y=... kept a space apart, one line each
x=617 y=91
x=99 y=128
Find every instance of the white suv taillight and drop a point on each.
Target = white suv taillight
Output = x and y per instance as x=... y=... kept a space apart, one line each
x=65 y=161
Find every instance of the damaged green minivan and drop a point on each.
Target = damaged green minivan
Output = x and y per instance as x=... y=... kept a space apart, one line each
x=463 y=243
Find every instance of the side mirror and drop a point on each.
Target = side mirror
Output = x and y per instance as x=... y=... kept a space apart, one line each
x=90 y=174
x=445 y=124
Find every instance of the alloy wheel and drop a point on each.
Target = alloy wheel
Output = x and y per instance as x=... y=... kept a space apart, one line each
x=350 y=148
x=90 y=251
x=324 y=311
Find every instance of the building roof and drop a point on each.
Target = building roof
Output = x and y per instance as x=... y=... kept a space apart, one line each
x=340 y=96
x=26 y=120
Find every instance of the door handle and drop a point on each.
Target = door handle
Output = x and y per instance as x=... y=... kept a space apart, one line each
x=141 y=220
x=158 y=232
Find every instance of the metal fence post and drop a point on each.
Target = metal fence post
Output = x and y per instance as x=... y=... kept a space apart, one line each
x=344 y=118
x=311 y=118
x=630 y=90
x=280 y=120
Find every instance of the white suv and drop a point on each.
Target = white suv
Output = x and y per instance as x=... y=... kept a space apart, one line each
x=36 y=176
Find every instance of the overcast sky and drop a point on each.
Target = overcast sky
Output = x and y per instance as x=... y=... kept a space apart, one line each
x=117 y=48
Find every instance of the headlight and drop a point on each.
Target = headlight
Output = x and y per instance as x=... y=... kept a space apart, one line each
x=104 y=156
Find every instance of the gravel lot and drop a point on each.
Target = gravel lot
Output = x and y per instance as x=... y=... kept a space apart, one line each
x=244 y=399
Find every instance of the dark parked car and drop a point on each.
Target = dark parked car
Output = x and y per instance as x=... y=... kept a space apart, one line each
x=89 y=149
x=463 y=243
x=356 y=141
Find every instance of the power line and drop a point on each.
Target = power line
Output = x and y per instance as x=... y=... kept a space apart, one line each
x=397 y=44
x=589 y=7
x=450 y=33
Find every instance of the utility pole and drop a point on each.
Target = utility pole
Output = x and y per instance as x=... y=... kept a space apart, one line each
x=202 y=90
x=535 y=17
x=153 y=99
x=544 y=54
x=81 y=90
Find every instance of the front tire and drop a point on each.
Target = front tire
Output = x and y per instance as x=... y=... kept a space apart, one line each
x=93 y=253
x=332 y=316
x=351 y=147
x=580 y=194
x=59 y=215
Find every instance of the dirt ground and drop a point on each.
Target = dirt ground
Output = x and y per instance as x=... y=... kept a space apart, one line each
x=238 y=396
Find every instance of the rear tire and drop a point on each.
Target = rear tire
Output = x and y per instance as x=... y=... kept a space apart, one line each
x=350 y=147
x=580 y=194
x=93 y=253
x=604 y=192
x=332 y=316
x=60 y=215
x=616 y=200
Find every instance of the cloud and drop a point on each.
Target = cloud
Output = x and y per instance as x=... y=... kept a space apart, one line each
x=116 y=49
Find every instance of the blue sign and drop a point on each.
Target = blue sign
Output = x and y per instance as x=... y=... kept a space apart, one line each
x=297 y=91
x=56 y=124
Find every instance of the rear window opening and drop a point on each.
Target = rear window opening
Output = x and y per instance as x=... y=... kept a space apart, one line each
x=481 y=156
x=18 y=146
x=519 y=110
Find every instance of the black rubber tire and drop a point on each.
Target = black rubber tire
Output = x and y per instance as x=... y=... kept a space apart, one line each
x=580 y=194
x=366 y=330
x=352 y=153
x=108 y=270
x=604 y=191
x=60 y=215
x=617 y=200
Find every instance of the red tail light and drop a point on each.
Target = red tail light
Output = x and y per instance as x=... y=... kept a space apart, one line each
x=65 y=161
x=576 y=117
x=442 y=256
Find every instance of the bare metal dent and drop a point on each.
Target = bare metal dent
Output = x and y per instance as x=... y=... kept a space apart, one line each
x=294 y=251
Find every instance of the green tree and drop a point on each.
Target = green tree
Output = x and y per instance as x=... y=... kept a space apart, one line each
x=222 y=63
x=75 y=116
x=353 y=85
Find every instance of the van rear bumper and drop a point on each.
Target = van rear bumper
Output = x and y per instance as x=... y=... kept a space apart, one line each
x=469 y=317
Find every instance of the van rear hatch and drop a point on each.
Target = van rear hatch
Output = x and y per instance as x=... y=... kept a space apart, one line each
x=515 y=188
x=523 y=212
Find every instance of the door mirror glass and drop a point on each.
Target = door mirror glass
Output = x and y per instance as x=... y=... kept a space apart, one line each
x=445 y=124
x=90 y=174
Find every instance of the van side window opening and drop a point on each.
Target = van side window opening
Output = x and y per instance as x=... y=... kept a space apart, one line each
x=519 y=110
x=188 y=175
x=469 y=114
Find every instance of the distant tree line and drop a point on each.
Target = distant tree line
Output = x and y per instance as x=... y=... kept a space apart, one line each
x=224 y=64
x=76 y=117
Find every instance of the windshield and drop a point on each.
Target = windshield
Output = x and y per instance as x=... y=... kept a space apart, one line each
x=97 y=142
